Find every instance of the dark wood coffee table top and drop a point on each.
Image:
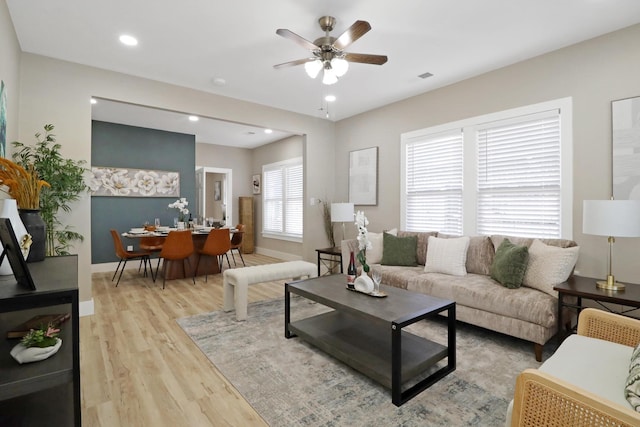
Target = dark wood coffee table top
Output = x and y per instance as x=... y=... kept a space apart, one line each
x=399 y=306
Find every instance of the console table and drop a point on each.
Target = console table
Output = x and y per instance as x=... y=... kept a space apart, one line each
x=45 y=392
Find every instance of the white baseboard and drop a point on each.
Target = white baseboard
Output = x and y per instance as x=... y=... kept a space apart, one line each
x=86 y=308
x=277 y=254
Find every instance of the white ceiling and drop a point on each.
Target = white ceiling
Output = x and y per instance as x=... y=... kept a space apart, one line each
x=190 y=43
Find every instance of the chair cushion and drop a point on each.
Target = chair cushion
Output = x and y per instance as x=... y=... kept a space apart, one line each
x=597 y=366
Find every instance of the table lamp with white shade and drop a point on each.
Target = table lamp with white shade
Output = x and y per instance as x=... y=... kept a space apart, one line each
x=611 y=218
x=342 y=212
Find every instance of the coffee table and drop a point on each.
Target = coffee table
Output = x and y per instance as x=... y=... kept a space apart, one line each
x=367 y=333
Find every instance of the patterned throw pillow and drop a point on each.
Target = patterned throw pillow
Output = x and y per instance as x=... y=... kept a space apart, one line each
x=632 y=386
x=399 y=250
x=509 y=264
x=549 y=266
x=447 y=256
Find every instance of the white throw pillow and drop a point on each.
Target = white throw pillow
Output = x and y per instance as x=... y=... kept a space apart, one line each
x=549 y=266
x=374 y=255
x=447 y=256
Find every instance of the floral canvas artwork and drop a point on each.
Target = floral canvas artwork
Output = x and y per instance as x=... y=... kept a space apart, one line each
x=105 y=181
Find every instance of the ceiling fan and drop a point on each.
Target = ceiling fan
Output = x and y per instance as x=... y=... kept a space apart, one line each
x=328 y=52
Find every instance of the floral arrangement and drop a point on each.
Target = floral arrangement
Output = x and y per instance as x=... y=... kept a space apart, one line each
x=24 y=184
x=41 y=337
x=181 y=205
x=363 y=239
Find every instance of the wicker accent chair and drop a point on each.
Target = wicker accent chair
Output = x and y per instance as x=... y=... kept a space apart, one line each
x=236 y=243
x=125 y=256
x=542 y=399
x=217 y=245
x=178 y=246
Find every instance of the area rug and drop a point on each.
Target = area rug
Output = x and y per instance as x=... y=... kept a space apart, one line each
x=291 y=383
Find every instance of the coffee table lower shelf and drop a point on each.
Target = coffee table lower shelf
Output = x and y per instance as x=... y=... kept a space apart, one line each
x=368 y=348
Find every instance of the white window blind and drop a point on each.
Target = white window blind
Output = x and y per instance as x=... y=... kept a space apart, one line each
x=282 y=199
x=434 y=173
x=519 y=176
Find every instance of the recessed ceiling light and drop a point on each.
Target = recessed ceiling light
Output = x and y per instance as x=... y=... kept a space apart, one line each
x=93 y=101
x=194 y=118
x=330 y=98
x=128 y=40
x=219 y=81
x=268 y=131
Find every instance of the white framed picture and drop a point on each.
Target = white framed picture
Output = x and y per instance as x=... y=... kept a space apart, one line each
x=363 y=176
x=256 y=184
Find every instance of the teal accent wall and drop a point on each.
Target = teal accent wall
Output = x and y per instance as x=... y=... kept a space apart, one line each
x=121 y=146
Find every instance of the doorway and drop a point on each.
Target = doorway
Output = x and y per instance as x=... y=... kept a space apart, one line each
x=213 y=194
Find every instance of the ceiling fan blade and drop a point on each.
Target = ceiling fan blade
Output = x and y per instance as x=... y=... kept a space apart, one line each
x=365 y=58
x=353 y=33
x=288 y=34
x=293 y=63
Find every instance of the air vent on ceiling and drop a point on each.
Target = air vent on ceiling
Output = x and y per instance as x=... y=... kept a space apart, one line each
x=425 y=75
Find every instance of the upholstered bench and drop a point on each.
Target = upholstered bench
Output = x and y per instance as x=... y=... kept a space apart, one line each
x=236 y=281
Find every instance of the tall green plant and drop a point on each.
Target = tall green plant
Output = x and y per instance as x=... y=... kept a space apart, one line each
x=66 y=179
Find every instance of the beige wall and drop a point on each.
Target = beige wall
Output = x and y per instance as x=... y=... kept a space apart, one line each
x=278 y=151
x=593 y=73
x=58 y=92
x=10 y=72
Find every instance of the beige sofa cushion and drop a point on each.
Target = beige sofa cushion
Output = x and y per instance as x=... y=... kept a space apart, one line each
x=527 y=241
x=483 y=293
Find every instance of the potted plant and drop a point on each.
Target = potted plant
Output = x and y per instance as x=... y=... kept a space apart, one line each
x=24 y=185
x=66 y=182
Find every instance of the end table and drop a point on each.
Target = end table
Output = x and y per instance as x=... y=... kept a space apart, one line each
x=585 y=287
x=330 y=258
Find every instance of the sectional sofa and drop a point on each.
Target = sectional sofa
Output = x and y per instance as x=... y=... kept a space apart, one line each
x=528 y=312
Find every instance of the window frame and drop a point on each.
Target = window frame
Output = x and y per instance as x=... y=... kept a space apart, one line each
x=283 y=165
x=470 y=160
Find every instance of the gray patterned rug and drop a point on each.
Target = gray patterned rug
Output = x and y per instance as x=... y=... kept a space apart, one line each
x=290 y=383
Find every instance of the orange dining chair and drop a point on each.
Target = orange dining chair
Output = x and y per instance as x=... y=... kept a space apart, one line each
x=236 y=242
x=217 y=245
x=178 y=246
x=125 y=256
x=151 y=245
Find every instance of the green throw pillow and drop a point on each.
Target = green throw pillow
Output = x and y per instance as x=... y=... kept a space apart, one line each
x=509 y=264
x=399 y=250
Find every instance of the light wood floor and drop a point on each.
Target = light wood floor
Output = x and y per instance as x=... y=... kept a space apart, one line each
x=139 y=368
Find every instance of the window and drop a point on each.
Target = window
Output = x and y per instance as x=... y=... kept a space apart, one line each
x=434 y=183
x=282 y=200
x=503 y=173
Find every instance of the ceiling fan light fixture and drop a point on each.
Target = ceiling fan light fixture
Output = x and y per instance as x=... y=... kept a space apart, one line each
x=340 y=66
x=313 y=68
x=329 y=76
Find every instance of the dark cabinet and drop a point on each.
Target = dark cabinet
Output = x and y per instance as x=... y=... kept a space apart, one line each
x=45 y=392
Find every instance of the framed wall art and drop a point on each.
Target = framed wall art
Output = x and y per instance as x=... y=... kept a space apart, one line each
x=105 y=181
x=363 y=176
x=625 y=137
x=256 y=184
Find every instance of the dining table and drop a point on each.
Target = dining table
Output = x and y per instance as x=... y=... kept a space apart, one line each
x=209 y=265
